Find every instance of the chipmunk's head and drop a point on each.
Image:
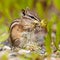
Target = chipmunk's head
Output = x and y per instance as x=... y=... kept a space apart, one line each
x=31 y=15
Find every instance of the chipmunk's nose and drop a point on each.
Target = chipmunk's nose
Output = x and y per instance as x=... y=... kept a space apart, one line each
x=35 y=21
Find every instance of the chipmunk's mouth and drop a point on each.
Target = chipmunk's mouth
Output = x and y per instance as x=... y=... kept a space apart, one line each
x=35 y=21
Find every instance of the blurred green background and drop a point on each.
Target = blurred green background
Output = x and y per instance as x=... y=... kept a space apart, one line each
x=46 y=9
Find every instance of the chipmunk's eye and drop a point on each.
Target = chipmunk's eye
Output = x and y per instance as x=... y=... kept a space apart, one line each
x=32 y=17
x=23 y=12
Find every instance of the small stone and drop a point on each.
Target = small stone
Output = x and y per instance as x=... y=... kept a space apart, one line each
x=13 y=54
x=6 y=48
x=22 y=51
x=43 y=50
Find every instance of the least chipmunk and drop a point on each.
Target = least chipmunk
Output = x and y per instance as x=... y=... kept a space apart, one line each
x=20 y=26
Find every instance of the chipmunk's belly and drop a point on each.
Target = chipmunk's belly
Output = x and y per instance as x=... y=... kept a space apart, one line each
x=26 y=37
x=31 y=39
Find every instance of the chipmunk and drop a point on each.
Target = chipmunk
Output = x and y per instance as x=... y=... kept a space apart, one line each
x=20 y=29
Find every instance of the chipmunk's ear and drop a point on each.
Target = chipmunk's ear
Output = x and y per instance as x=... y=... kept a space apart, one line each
x=27 y=8
x=23 y=12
